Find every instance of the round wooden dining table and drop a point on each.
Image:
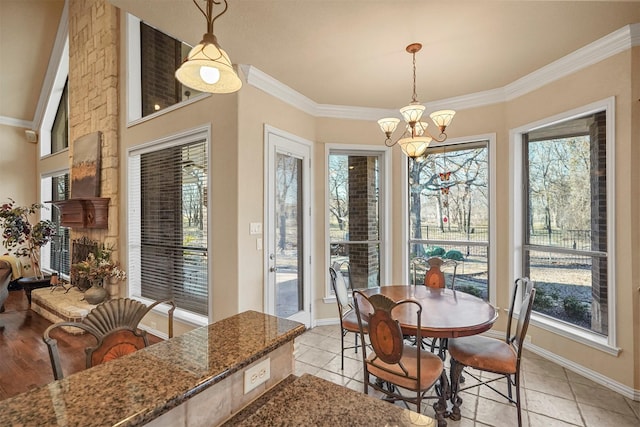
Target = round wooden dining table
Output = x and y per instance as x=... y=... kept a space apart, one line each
x=446 y=313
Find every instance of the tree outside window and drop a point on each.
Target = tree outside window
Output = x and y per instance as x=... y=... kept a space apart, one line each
x=565 y=249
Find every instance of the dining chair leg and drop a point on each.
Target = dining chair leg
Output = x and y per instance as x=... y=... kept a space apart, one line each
x=356 y=347
x=518 y=406
x=342 y=348
x=509 y=392
x=440 y=407
x=456 y=400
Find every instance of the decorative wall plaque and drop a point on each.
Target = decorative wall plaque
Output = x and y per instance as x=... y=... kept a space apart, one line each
x=85 y=169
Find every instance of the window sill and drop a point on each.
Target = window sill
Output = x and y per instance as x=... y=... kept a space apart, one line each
x=329 y=300
x=574 y=333
x=184 y=316
x=168 y=109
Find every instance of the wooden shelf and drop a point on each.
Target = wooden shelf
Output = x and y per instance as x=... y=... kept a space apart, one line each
x=88 y=212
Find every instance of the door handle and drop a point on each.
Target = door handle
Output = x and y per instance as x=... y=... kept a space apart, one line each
x=273 y=269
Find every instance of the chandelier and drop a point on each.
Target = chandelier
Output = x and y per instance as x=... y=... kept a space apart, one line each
x=415 y=139
x=207 y=67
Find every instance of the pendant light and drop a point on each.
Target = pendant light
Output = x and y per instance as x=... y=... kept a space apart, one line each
x=415 y=139
x=208 y=68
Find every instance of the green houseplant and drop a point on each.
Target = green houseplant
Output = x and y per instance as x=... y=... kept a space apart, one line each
x=23 y=239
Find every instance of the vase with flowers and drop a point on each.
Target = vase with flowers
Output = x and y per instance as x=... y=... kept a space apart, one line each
x=98 y=269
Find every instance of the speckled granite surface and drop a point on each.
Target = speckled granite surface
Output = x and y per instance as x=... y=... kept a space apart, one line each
x=137 y=388
x=312 y=401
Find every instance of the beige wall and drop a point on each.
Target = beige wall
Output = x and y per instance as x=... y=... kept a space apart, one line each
x=611 y=77
x=634 y=227
x=18 y=178
x=218 y=112
x=257 y=109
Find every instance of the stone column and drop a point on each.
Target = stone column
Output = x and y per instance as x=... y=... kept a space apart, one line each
x=94 y=36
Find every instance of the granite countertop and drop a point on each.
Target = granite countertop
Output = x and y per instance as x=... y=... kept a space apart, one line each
x=312 y=401
x=139 y=387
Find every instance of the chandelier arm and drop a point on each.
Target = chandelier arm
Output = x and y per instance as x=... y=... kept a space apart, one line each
x=389 y=143
x=226 y=6
x=442 y=137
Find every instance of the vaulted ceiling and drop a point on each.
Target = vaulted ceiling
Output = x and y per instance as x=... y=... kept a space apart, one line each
x=341 y=52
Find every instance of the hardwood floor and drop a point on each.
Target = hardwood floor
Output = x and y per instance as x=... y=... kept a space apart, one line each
x=24 y=358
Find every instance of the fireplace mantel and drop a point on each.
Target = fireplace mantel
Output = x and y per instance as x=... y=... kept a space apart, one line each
x=87 y=212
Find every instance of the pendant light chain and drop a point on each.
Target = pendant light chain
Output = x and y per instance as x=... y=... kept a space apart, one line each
x=415 y=96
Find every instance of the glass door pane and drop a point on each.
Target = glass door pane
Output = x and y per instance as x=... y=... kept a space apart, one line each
x=288 y=235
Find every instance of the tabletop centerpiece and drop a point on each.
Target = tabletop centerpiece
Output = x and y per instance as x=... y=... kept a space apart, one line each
x=100 y=270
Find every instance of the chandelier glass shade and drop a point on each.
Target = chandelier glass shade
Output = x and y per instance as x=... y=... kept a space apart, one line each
x=415 y=139
x=207 y=67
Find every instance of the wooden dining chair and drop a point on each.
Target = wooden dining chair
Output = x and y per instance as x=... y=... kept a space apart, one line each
x=114 y=324
x=436 y=272
x=502 y=357
x=394 y=364
x=348 y=319
x=435 y=277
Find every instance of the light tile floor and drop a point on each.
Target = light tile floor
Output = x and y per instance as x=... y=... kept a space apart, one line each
x=553 y=396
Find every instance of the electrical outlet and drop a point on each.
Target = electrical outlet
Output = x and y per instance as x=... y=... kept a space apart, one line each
x=256 y=375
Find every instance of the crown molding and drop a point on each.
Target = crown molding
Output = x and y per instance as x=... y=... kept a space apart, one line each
x=10 y=121
x=277 y=89
x=599 y=50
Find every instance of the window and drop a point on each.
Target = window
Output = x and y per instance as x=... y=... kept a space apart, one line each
x=153 y=58
x=60 y=128
x=55 y=255
x=168 y=218
x=355 y=220
x=449 y=212
x=565 y=221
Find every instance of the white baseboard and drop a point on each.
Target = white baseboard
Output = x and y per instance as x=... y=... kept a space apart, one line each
x=594 y=376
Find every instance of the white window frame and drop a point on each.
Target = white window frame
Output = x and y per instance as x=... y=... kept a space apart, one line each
x=385 y=206
x=492 y=251
x=134 y=78
x=516 y=211
x=45 y=214
x=53 y=101
x=133 y=221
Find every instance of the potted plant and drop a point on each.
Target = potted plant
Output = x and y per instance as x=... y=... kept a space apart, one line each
x=23 y=239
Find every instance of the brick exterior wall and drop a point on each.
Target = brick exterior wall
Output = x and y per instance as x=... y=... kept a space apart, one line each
x=94 y=43
x=363 y=221
x=599 y=306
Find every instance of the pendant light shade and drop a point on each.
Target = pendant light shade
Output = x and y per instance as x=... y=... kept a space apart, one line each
x=414 y=147
x=207 y=67
x=412 y=112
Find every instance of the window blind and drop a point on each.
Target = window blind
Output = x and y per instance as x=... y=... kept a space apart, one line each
x=168 y=255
